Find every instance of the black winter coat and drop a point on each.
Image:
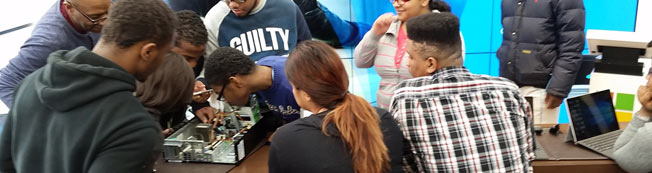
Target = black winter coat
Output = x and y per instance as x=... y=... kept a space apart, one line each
x=542 y=43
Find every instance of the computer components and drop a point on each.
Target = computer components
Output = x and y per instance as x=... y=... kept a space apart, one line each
x=200 y=142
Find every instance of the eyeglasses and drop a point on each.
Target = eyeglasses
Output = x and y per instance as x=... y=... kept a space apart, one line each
x=94 y=21
x=220 y=95
x=238 y=1
x=400 y=2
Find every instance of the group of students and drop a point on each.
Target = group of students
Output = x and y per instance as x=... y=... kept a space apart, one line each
x=104 y=104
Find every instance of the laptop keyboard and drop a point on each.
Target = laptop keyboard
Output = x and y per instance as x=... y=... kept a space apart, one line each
x=602 y=143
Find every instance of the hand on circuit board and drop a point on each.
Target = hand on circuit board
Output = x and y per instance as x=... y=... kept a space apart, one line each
x=219 y=116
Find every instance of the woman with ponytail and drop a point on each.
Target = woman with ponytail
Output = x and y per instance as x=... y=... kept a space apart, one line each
x=383 y=47
x=344 y=133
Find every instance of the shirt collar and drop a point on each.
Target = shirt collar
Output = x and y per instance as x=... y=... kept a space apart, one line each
x=393 y=28
x=447 y=71
x=258 y=7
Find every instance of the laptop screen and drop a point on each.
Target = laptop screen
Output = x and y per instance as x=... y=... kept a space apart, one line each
x=592 y=114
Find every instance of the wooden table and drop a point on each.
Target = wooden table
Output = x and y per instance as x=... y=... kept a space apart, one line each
x=257 y=162
x=562 y=166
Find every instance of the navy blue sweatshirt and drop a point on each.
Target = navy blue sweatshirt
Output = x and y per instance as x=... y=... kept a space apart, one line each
x=279 y=97
x=274 y=27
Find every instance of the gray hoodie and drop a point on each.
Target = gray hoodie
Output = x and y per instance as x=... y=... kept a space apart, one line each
x=78 y=114
x=633 y=149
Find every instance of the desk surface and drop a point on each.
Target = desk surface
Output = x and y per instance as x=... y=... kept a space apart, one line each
x=602 y=164
x=257 y=162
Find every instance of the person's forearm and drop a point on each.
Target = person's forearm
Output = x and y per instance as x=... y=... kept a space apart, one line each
x=631 y=130
x=631 y=150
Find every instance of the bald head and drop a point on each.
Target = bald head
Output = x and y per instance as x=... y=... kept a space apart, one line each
x=87 y=15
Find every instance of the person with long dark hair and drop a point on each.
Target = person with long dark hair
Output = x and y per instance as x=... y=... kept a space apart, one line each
x=344 y=133
x=167 y=92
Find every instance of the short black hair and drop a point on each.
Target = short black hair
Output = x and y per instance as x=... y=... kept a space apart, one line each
x=191 y=28
x=434 y=28
x=133 y=21
x=439 y=5
x=225 y=62
x=440 y=31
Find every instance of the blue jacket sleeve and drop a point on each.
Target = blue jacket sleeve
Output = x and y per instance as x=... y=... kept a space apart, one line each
x=570 y=21
x=32 y=56
x=303 y=33
x=349 y=33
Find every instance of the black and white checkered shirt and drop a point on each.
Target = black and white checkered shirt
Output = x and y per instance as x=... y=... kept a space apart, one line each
x=455 y=121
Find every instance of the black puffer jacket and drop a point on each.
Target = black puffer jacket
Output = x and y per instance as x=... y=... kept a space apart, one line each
x=542 y=43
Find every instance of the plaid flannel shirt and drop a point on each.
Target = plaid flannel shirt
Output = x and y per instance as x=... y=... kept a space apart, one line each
x=455 y=121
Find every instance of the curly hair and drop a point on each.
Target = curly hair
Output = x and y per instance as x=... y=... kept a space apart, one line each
x=191 y=28
x=134 y=21
x=315 y=68
x=225 y=62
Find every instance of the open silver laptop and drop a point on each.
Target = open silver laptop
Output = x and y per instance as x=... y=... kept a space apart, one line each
x=593 y=121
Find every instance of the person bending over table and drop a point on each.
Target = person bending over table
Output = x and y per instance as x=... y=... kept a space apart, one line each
x=344 y=132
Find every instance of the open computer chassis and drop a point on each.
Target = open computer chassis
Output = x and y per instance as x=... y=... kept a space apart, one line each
x=200 y=142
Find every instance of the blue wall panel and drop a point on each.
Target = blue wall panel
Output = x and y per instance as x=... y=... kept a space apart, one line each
x=475 y=25
x=480 y=22
x=494 y=65
x=477 y=63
